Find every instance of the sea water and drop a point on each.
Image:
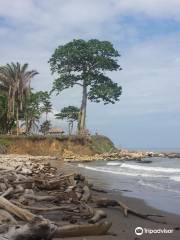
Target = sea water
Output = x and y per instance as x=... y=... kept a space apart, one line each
x=157 y=182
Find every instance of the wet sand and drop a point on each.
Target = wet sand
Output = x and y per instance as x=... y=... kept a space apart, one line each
x=123 y=228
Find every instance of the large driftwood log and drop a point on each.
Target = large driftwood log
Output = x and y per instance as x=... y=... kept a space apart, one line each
x=23 y=214
x=104 y=202
x=54 y=208
x=100 y=228
x=40 y=198
x=6 y=217
x=40 y=228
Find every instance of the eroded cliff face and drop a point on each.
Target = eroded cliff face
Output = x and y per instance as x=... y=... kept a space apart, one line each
x=56 y=146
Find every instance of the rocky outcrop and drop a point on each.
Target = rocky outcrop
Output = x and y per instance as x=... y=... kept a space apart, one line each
x=117 y=155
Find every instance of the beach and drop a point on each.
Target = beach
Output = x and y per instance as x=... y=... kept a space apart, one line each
x=148 y=222
x=124 y=227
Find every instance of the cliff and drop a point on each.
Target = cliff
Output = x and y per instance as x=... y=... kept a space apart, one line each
x=40 y=145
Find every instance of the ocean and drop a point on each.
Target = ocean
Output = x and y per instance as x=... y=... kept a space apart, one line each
x=156 y=182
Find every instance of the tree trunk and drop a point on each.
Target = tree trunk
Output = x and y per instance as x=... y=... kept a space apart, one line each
x=17 y=121
x=69 y=128
x=82 y=120
x=72 y=127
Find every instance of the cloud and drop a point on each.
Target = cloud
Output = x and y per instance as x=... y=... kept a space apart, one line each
x=153 y=8
x=30 y=30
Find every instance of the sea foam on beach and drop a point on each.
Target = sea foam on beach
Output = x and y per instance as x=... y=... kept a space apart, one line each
x=157 y=182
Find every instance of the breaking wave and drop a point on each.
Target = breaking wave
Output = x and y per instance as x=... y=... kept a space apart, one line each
x=151 y=169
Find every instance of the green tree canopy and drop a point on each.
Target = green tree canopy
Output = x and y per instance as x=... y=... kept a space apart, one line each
x=85 y=63
x=71 y=114
x=15 y=80
x=46 y=103
x=6 y=124
x=45 y=126
x=32 y=110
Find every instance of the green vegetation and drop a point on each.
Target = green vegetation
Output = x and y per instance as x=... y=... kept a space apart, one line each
x=4 y=143
x=15 y=83
x=18 y=102
x=95 y=144
x=100 y=144
x=71 y=114
x=47 y=105
x=45 y=126
x=32 y=111
x=79 y=62
x=84 y=63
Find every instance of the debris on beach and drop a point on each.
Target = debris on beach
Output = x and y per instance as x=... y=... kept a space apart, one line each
x=38 y=201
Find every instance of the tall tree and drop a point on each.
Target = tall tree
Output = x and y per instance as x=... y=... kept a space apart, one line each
x=45 y=126
x=46 y=103
x=32 y=111
x=15 y=79
x=5 y=123
x=84 y=63
x=71 y=114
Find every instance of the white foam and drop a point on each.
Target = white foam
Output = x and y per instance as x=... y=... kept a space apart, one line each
x=157 y=186
x=113 y=163
x=105 y=170
x=175 y=178
x=155 y=169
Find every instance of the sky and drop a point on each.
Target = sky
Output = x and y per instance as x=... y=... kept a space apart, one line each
x=147 y=35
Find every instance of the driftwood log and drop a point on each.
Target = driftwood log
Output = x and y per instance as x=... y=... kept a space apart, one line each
x=98 y=214
x=23 y=214
x=28 y=188
x=40 y=228
x=104 y=202
x=99 y=228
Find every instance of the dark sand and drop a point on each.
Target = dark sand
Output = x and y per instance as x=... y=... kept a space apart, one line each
x=123 y=228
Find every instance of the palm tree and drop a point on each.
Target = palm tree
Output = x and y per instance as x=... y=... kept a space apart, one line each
x=15 y=79
x=5 y=123
x=31 y=122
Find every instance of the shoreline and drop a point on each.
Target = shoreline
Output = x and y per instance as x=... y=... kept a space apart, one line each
x=158 y=191
x=124 y=227
x=120 y=155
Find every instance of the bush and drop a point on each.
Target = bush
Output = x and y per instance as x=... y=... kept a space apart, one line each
x=101 y=144
x=4 y=143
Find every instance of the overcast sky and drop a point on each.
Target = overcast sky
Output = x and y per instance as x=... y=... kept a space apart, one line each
x=147 y=35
